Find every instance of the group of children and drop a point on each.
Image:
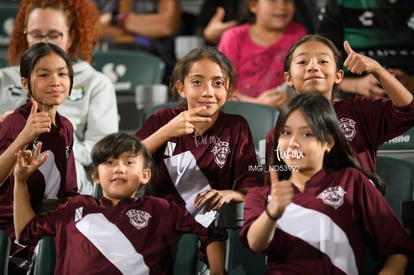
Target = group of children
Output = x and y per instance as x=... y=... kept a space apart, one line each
x=316 y=215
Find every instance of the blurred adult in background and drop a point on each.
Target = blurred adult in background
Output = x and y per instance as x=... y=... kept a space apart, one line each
x=146 y=25
x=216 y=16
x=381 y=29
x=91 y=106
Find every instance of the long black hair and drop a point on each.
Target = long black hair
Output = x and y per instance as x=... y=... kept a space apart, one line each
x=37 y=51
x=323 y=121
x=114 y=145
x=339 y=62
x=183 y=67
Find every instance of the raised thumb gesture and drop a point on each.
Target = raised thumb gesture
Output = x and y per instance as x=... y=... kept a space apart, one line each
x=281 y=194
x=358 y=63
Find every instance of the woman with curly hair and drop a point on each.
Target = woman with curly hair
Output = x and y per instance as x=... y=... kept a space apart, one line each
x=91 y=105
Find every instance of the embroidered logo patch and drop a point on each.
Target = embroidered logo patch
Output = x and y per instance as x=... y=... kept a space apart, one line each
x=348 y=127
x=333 y=196
x=221 y=151
x=138 y=218
x=77 y=93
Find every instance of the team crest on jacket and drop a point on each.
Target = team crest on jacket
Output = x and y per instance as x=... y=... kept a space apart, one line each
x=348 y=127
x=138 y=218
x=333 y=196
x=221 y=151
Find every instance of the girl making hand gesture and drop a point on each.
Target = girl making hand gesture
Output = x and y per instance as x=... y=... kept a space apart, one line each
x=47 y=76
x=202 y=154
x=321 y=208
x=314 y=64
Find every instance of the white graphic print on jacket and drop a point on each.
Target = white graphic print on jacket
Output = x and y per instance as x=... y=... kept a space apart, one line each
x=119 y=250
x=189 y=180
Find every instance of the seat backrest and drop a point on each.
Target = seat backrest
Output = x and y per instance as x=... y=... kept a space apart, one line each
x=3 y=61
x=240 y=261
x=261 y=119
x=148 y=111
x=403 y=141
x=401 y=147
x=46 y=257
x=128 y=69
x=186 y=256
x=4 y=252
x=398 y=175
x=8 y=12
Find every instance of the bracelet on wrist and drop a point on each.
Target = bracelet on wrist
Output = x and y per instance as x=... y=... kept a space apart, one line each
x=273 y=218
x=121 y=19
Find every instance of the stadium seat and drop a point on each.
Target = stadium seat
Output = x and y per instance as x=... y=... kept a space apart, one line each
x=398 y=175
x=261 y=119
x=8 y=12
x=239 y=260
x=401 y=147
x=4 y=252
x=186 y=258
x=127 y=70
x=46 y=257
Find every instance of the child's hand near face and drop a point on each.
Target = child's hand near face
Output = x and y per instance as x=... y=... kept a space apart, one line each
x=281 y=193
x=275 y=97
x=37 y=123
x=27 y=163
x=358 y=63
x=184 y=123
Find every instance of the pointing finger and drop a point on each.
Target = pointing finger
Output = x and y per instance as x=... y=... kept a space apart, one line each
x=274 y=177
